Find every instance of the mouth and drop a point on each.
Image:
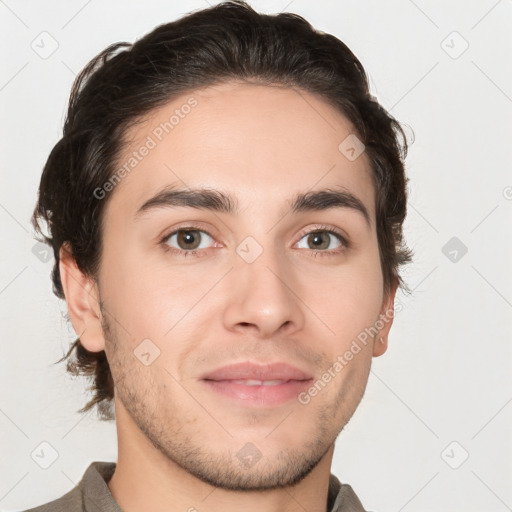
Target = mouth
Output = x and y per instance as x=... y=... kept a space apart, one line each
x=252 y=384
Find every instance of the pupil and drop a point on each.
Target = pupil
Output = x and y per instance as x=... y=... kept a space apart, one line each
x=187 y=237
x=317 y=240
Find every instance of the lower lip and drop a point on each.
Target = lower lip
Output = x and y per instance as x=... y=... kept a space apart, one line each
x=259 y=395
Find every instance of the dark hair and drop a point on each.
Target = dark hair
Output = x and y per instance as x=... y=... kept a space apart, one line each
x=229 y=41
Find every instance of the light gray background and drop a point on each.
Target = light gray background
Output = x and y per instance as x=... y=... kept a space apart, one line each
x=446 y=376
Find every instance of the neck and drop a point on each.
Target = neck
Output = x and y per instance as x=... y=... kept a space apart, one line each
x=145 y=479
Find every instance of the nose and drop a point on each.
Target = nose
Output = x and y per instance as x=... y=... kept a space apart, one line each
x=265 y=298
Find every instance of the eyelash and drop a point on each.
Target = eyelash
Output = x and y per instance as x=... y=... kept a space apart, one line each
x=192 y=227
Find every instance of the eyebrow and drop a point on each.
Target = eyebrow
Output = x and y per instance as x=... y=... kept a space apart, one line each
x=218 y=201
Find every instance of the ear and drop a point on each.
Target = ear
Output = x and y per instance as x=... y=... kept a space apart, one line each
x=82 y=298
x=386 y=316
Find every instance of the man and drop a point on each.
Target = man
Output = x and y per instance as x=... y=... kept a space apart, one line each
x=226 y=209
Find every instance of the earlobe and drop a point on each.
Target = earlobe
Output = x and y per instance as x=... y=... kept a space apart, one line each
x=380 y=345
x=82 y=298
x=385 y=321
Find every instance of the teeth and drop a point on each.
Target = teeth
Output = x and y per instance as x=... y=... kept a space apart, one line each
x=250 y=382
x=272 y=382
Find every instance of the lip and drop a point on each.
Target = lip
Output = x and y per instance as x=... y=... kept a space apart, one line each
x=231 y=382
x=254 y=371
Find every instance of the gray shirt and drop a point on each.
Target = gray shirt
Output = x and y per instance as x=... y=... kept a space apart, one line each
x=92 y=494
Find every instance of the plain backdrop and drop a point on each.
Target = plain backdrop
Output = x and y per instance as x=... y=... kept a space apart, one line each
x=433 y=430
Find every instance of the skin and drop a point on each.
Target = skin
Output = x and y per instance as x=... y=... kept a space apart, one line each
x=178 y=441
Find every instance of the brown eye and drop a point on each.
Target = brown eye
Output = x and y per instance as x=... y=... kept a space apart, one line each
x=319 y=240
x=322 y=240
x=188 y=239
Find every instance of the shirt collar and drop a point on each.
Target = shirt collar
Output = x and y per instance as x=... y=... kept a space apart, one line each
x=97 y=495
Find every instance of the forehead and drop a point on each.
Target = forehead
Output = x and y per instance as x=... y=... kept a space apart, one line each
x=260 y=143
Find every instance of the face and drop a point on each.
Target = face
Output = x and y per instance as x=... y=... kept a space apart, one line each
x=222 y=318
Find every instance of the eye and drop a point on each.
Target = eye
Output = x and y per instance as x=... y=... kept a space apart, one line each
x=321 y=239
x=192 y=241
x=188 y=240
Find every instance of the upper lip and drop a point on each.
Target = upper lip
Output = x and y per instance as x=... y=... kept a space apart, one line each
x=253 y=371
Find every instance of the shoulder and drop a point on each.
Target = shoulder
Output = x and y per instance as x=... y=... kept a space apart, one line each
x=91 y=493
x=69 y=502
x=342 y=498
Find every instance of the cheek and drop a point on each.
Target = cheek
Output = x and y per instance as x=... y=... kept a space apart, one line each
x=155 y=300
x=137 y=297
x=350 y=300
